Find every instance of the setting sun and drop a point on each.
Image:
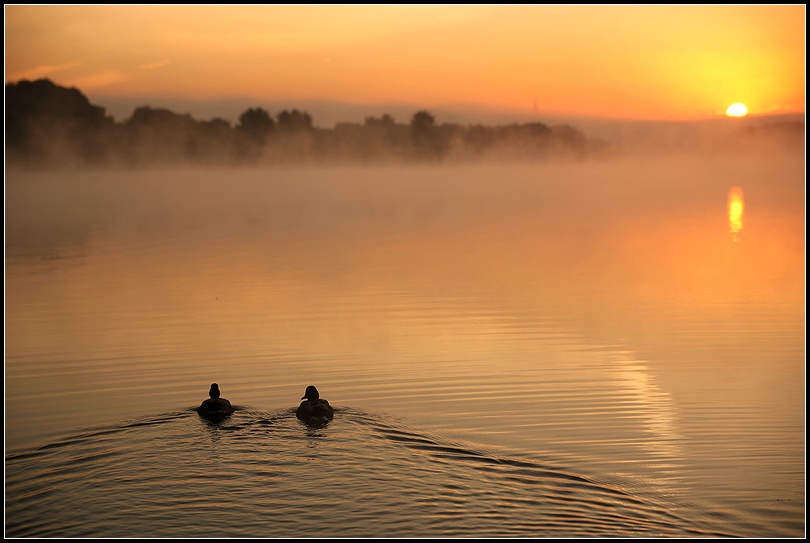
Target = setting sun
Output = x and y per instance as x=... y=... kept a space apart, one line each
x=737 y=110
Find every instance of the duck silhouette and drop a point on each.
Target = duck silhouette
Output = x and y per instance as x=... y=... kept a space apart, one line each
x=215 y=409
x=314 y=408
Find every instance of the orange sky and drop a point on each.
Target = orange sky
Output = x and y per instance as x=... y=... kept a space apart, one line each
x=640 y=62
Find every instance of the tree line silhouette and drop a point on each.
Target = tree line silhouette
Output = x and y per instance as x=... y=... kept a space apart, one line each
x=48 y=125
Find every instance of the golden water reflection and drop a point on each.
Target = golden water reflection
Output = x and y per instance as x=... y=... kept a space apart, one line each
x=736 y=206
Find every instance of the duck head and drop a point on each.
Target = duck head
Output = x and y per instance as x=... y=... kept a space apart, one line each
x=311 y=394
x=214 y=392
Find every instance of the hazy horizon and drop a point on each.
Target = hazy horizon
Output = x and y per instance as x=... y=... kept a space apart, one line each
x=328 y=113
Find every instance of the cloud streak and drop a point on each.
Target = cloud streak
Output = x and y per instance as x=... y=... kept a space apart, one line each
x=101 y=79
x=154 y=65
x=43 y=70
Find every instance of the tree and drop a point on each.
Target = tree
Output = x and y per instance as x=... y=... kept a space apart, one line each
x=213 y=143
x=255 y=124
x=386 y=121
x=427 y=140
x=294 y=121
x=45 y=122
x=422 y=122
x=159 y=135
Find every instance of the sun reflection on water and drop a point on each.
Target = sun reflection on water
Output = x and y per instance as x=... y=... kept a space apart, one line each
x=736 y=205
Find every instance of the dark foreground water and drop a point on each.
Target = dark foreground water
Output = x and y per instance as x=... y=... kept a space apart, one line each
x=564 y=350
x=267 y=475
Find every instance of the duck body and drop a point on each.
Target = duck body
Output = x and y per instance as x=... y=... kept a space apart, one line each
x=215 y=409
x=315 y=410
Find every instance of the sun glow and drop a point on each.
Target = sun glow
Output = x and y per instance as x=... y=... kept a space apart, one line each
x=737 y=110
x=736 y=205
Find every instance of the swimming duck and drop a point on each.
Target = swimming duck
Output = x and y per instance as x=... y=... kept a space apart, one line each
x=215 y=408
x=314 y=407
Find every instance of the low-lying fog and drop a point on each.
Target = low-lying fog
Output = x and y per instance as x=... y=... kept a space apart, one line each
x=611 y=220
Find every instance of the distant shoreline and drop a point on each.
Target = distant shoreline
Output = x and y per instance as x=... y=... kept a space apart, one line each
x=50 y=126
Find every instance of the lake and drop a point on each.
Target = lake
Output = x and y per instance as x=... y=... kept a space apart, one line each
x=512 y=350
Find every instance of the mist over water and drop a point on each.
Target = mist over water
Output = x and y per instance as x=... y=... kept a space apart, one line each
x=592 y=321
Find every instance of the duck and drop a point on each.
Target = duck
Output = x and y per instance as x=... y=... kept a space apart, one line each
x=215 y=408
x=314 y=407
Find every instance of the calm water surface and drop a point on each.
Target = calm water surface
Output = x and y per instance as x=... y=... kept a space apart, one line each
x=562 y=350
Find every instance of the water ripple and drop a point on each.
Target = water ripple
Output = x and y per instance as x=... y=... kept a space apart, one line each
x=269 y=475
